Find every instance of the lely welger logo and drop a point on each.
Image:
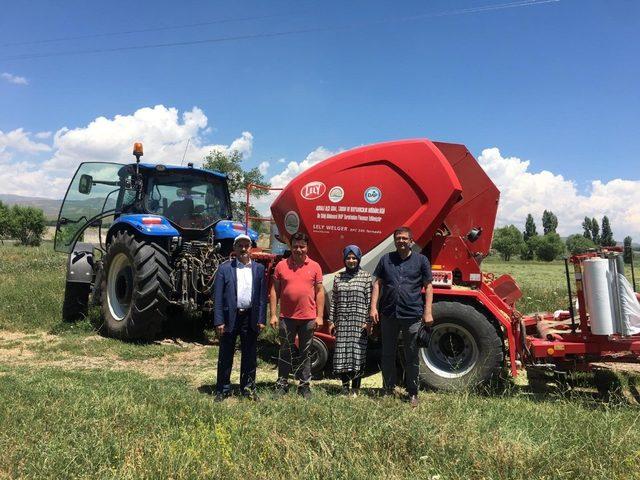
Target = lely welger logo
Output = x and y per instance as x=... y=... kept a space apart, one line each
x=313 y=190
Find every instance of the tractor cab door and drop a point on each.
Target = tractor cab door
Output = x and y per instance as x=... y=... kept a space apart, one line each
x=97 y=191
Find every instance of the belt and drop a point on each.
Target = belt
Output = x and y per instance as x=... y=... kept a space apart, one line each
x=243 y=310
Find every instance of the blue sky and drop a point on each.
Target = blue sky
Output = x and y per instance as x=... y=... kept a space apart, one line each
x=553 y=83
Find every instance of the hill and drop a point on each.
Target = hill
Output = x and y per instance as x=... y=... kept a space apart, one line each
x=49 y=206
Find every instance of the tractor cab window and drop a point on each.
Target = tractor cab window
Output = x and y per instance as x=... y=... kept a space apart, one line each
x=94 y=190
x=188 y=200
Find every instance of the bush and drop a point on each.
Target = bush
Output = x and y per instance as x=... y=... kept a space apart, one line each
x=549 y=247
x=5 y=215
x=508 y=241
x=27 y=224
x=577 y=244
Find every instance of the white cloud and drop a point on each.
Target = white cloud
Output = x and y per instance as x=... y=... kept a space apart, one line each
x=15 y=79
x=43 y=135
x=18 y=140
x=263 y=167
x=523 y=192
x=289 y=173
x=163 y=132
x=281 y=160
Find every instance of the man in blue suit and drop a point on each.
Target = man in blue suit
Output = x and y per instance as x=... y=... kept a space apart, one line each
x=240 y=295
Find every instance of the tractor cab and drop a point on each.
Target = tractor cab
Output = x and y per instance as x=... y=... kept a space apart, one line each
x=191 y=200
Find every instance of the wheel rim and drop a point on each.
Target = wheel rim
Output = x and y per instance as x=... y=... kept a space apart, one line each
x=120 y=286
x=452 y=351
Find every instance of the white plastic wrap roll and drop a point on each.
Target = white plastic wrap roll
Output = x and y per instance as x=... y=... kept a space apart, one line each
x=596 y=292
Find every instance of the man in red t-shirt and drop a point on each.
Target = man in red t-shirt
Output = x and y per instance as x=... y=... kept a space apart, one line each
x=297 y=284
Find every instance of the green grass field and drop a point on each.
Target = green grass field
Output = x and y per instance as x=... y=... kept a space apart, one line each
x=76 y=405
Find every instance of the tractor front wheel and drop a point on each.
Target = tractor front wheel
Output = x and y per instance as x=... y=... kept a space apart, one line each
x=135 y=288
x=464 y=350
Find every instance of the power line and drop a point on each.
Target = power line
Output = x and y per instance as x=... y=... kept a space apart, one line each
x=352 y=26
x=145 y=30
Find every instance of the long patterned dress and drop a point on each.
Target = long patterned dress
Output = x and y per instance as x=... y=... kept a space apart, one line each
x=350 y=303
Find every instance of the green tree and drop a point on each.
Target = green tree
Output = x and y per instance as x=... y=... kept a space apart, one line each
x=549 y=247
x=529 y=236
x=529 y=228
x=5 y=221
x=27 y=225
x=628 y=252
x=586 y=226
x=579 y=244
x=595 y=231
x=507 y=241
x=606 y=239
x=549 y=222
x=238 y=180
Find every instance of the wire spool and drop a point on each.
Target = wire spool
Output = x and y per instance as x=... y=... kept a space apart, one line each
x=597 y=296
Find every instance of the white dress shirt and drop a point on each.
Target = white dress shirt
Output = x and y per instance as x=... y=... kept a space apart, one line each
x=244 y=284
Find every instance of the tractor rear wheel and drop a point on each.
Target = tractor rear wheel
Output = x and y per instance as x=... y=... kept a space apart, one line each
x=135 y=288
x=76 y=301
x=464 y=350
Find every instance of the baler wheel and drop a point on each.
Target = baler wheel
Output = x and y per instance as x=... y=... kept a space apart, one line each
x=135 y=288
x=319 y=357
x=464 y=350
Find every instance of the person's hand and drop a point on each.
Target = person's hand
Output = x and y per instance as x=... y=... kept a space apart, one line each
x=373 y=314
x=427 y=319
x=274 y=321
x=261 y=326
x=318 y=323
x=332 y=329
x=220 y=330
x=366 y=326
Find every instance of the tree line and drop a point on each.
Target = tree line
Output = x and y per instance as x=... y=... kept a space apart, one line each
x=25 y=224
x=529 y=245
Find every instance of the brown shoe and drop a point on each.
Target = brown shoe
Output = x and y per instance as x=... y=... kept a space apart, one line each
x=413 y=400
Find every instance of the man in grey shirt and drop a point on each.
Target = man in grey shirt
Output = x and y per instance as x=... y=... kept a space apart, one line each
x=401 y=275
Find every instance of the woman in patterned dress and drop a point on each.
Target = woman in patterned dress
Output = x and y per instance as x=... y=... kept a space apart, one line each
x=349 y=319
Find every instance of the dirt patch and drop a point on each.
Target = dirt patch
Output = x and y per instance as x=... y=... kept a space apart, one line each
x=191 y=362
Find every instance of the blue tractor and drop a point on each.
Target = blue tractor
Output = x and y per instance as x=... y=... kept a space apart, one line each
x=144 y=243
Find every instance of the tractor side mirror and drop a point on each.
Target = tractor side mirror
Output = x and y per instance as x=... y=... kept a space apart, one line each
x=86 y=182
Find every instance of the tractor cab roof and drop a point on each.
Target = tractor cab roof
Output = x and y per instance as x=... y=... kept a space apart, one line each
x=176 y=168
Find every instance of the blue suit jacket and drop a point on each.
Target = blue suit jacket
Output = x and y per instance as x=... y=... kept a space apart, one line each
x=225 y=296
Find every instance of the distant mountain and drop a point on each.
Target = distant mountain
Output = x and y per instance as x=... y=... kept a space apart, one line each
x=49 y=206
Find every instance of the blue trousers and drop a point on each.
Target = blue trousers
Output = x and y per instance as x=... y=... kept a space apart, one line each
x=248 y=342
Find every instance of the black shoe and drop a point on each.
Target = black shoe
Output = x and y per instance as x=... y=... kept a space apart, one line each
x=388 y=392
x=220 y=397
x=344 y=390
x=305 y=392
x=282 y=390
x=250 y=395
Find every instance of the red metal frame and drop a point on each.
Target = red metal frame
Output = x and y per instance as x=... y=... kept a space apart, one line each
x=567 y=348
x=247 y=217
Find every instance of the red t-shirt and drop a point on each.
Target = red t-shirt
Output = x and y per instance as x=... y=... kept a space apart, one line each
x=298 y=288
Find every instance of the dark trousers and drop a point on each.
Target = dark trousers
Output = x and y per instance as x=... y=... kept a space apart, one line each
x=390 y=328
x=248 y=350
x=289 y=357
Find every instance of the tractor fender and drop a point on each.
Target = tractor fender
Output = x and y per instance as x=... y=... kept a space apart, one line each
x=140 y=224
x=80 y=264
x=226 y=229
